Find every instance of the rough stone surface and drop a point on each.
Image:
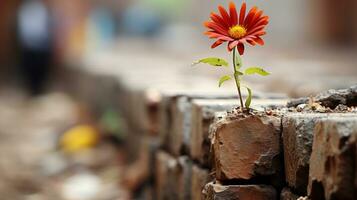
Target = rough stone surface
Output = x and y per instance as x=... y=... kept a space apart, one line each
x=297 y=141
x=246 y=147
x=298 y=131
x=216 y=191
x=200 y=177
x=332 y=163
x=286 y=194
x=331 y=98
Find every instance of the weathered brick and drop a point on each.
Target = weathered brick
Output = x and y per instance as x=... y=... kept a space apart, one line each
x=173 y=177
x=286 y=194
x=203 y=112
x=138 y=172
x=216 y=191
x=175 y=116
x=354 y=141
x=182 y=178
x=246 y=147
x=164 y=122
x=174 y=122
x=139 y=113
x=297 y=141
x=298 y=129
x=175 y=119
x=332 y=163
x=181 y=122
x=200 y=177
x=202 y=117
x=165 y=164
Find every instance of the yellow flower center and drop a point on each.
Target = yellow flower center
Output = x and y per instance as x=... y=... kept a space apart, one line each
x=237 y=31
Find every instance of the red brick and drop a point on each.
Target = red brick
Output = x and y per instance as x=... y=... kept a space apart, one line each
x=203 y=113
x=246 y=147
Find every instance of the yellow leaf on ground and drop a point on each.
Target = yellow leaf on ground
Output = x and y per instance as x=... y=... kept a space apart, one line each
x=78 y=138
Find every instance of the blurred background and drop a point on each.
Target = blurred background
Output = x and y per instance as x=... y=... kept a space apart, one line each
x=311 y=46
x=303 y=37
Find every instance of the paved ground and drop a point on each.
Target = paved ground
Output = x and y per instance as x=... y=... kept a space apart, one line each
x=32 y=167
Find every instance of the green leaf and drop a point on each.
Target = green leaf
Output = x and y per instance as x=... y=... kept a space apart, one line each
x=256 y=70
x=224 y=79
x=248 y=101
x=217 y=62
x=238 y=61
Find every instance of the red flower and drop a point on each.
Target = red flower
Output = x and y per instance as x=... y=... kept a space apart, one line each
x=237 y=30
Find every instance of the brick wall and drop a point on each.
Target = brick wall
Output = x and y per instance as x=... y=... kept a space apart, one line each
x=193 y=144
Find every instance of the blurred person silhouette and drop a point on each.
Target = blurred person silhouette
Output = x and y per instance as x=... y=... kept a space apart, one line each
x=35 y=40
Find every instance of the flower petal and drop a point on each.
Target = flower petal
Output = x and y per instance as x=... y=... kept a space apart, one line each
x=233 y=13
x=242 y=13
x=225 y=15
x=216 y=44
x=219 y=20
x=233 y=44
x=250 y=37
x=228 y=39
x=260 y=33
x=216 y=27
x=262 y=21
x=218 y=36
x=255 y=29
x=240 y=48
x=254 y=20
x=259 y=40
x=251 y=41
x=250 y=15
x=242 y=40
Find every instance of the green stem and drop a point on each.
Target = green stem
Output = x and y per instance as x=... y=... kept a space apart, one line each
x=236 y=78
